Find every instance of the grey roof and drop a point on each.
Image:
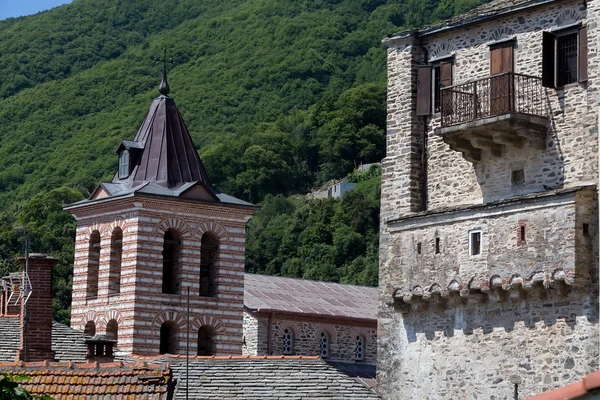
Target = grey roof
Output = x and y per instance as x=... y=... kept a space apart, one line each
x=249 y=378
x=69 y=344
x=482 y=13
x=273 y=293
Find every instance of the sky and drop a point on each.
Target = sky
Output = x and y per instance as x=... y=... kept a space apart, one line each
x=17 y=8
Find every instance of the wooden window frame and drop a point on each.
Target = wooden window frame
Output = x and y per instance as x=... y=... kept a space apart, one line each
x=427 y=92
x=550 y=62
x=471 y=247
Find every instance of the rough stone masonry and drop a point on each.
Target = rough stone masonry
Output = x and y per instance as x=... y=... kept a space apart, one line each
x=489 y=225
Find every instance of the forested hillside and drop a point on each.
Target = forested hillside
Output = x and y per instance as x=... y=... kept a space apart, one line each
x=279 y=96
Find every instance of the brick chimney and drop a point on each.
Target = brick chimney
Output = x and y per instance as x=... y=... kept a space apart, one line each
x=36 y=314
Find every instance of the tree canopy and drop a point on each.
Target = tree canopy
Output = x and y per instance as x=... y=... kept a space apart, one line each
x=279 y=96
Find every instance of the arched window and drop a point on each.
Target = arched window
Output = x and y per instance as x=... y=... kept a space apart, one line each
x=324 y=345
x=359 y=348
x=288 y=341
x=93 y=265
x=209 y=253
x=116 y=253
x=168 y=338
x=206 y=341
x=90 y=328
x=112 y=330
x=171 y=268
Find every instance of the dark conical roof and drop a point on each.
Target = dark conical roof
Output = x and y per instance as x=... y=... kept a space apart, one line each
x=167 y=155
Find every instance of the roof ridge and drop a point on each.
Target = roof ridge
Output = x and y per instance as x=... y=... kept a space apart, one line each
x=311 y=280
x=87 y=365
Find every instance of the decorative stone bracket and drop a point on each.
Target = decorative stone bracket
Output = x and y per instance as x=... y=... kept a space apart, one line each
x=496 y=289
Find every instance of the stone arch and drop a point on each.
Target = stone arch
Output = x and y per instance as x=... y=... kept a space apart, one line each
x=358 y=354
x=112 y=314
x=502 y=32
x=168 y=315
x=217 y=229
x=94 y=248
x=90 y=328
x=87 y=317
x=209 y=320
x=95 y=226
x=119 y=222
x=440 y=50
x=210 y=246
x=112 y=330
x=174 y=223
x=566 y=17
x=293 y=330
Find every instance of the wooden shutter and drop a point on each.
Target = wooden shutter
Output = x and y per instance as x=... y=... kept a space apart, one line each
x=548 y=59
x=446 y=74
x=583 y=54
x=501 y=60
x=424 y=90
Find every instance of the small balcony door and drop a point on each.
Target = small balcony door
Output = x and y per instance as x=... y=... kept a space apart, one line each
x=501 y=82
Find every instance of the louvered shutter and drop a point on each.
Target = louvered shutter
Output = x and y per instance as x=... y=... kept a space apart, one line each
x=583 y=54
x=548 y=63
x=424 y=90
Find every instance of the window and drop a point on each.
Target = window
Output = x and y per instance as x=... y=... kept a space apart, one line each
x=206 y=343
x=437 y=245
x=124 y=164
x=522 y=233
x=112 y=330
x=90 y=328
x=585 y=229
x=324 y=345
x=430 y=81
x=475 y=242
x=116 y=252
x=288 y=341
x=419 y=248
x=171 y=250
x=359 y=348
x=565 y=56
x=517 y=177
x=168 y=338
x=93 y=265
x=209 y=252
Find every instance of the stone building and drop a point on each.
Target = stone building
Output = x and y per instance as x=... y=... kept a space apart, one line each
x=489 y=240
x=300 y=317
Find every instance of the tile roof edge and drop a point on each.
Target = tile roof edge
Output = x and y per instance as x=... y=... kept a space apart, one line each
x=308 y=314
x=87 y=366
x=228 y=357
x=467 y=21
x=310 y=280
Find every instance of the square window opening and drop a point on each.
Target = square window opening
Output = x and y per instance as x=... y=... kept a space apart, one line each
x=517 y=177
x=475 y=243
x=566 y=58
x=586 y=230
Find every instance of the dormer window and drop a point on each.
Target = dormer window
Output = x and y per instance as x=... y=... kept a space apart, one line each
x=124 y=164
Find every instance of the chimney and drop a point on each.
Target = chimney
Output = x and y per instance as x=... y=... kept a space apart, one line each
x=100 y=349
x=36 y=312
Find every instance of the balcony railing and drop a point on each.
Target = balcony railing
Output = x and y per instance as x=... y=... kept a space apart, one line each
x=492 y=96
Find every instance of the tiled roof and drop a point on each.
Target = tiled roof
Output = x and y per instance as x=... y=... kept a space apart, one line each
x=273 y=293
x=264 y=378
x=481 y=13
x=69 y=344
x=86 y=381
x=589 y=383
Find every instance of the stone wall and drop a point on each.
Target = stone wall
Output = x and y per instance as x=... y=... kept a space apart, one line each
x=140 y=307
x=306 y=333
x=451 y=325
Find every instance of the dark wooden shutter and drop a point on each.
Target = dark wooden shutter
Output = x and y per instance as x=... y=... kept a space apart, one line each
x=501 y=59
x=507 y=58
x=548 y=59
x=424 y=90
x=583 y=54
x=446 y=74
x=496 y=61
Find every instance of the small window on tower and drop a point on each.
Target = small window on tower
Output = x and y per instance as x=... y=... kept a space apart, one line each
x=475 y=243
x=437 y=245
x=518 y=177
x=124 y=164
x=419 y=248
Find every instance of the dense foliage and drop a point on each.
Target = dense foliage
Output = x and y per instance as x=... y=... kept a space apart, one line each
x=10 y=390
x=279 y=95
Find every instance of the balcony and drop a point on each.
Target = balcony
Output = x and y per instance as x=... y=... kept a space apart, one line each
x=493 y=113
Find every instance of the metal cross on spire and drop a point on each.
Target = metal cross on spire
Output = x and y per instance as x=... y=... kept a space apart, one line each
x=164 y=85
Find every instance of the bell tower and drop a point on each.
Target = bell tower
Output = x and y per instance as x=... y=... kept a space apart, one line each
x=157 y=230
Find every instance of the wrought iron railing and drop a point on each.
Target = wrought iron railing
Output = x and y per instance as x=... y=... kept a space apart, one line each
x=492 y=96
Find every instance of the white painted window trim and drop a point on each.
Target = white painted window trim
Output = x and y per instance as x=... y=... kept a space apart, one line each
x=471 y=232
